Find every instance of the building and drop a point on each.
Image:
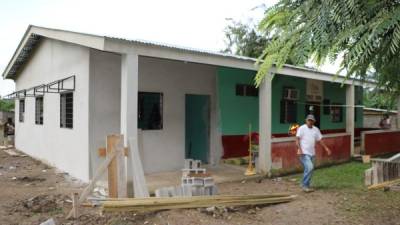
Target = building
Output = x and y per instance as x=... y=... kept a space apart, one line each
x=4 y=115
x=372 y=117
x=74 y=88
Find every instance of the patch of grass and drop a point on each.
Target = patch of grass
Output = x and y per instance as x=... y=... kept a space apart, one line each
x=348 y=175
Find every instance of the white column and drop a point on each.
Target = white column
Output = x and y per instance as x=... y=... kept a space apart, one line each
x=129 y=96
x=129 y=103
x=265 y=119
x=398 y=114
x=350 y=109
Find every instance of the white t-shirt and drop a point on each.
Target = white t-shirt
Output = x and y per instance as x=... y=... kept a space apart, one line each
x=308 y=137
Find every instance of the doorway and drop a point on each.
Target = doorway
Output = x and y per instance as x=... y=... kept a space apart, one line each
x=197 y=127
x=314 y=108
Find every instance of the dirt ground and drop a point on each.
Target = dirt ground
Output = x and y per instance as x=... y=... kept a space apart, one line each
x=31 y=193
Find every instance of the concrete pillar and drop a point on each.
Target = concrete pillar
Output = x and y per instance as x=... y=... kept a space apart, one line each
x=398 y=114
x=350 y=109
x=265 y=119
x=129 y=104
x=129 y=96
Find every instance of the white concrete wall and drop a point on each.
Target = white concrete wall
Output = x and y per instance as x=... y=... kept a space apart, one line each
x=65 y=148
x=373 y=120
x=105 y=101
x=164 y=149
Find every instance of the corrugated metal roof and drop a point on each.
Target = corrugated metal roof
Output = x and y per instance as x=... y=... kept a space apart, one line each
x=182 y=48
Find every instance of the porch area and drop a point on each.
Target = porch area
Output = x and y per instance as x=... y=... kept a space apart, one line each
x=221 y=173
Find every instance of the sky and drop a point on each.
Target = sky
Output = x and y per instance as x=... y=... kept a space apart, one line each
x=190 y=23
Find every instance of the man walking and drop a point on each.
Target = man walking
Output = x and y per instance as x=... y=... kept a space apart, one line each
x=307 y=135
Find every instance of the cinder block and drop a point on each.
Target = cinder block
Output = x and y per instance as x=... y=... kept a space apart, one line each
x=188 y=164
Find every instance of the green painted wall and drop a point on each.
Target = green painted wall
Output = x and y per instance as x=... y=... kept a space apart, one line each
x=236 y=112
x=336 y=94
x=279 y=82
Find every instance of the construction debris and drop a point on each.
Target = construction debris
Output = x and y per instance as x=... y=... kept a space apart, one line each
x=195 y=181
x=384 y=184
x=154 y=204
x=383 y=170
x=139 y=181
x=48 y=222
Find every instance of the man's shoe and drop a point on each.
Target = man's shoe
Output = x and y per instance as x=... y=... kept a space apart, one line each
x=308 y=190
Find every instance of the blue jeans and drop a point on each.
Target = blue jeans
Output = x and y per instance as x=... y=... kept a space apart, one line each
x=307 y=161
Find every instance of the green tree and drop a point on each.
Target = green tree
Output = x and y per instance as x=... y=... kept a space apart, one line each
x=244 y=39
x=6 y=105
x=379 y=99
x=363 y=34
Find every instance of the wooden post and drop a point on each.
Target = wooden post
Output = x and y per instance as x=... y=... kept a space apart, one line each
x=398 y=113
x=75 y=205
x=116 y=169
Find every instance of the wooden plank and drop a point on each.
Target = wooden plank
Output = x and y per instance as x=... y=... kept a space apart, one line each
x=384 y=184
x=148 y=204
x=75 y=205
x=112 y=174
x=102 y=152
x=121 y=169
x=99 y=172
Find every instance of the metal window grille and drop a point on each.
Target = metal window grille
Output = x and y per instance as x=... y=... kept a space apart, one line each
x=21 y=110
x=150 y=111
x=336 y=113
x=39 y=110
x=288 y=111
x=66 y=110
x=246 y=90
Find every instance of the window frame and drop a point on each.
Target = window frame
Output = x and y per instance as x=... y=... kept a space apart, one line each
x=246 y=90
x=284 y=111
x=333 y=117
x=21 y=110
x=39 y=117
x=63 y=121
x=161 y=110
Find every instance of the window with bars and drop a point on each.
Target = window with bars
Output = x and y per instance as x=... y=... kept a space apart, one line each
x=288 y=111
x=336 y=113
x=246 y=90
x=150 y=111
x=39 y=110
x=66 y=110
x=21 y=110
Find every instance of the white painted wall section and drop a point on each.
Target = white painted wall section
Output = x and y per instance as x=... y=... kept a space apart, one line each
x=62 y=147
x=164 y=150
x=105 y=101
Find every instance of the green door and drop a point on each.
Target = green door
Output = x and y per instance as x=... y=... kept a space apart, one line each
x=197 y=124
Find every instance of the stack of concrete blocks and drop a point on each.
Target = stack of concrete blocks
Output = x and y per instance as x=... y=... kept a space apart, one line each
x=195 y=182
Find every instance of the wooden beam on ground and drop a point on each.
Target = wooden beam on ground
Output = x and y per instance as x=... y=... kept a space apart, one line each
x=151 y=204
x=384 y=184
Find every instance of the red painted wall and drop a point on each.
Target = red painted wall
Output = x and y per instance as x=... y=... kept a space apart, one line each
x=284 y=154
x=382 y=143
x=237 y=145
